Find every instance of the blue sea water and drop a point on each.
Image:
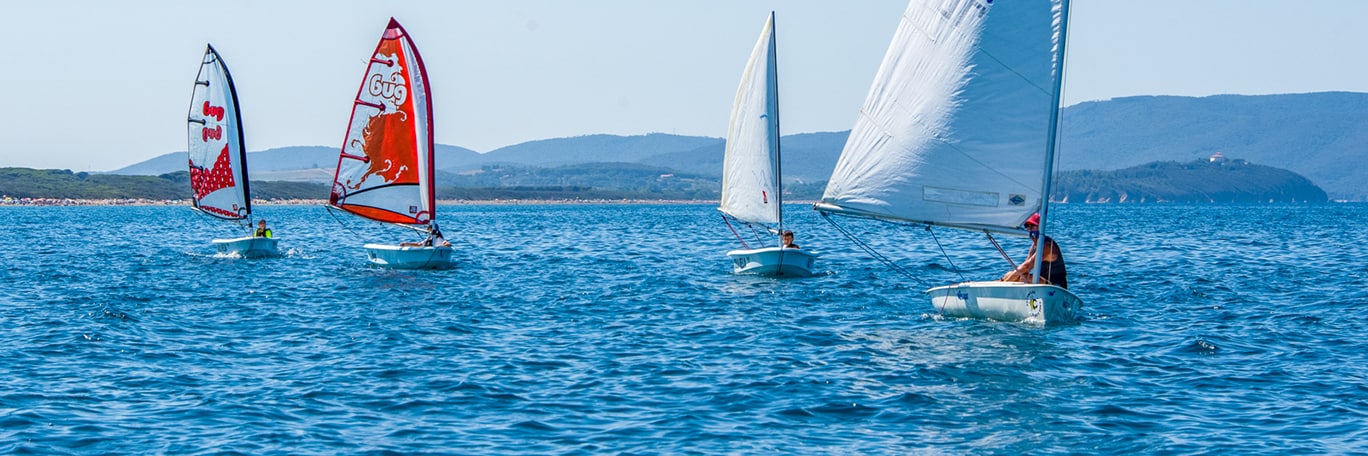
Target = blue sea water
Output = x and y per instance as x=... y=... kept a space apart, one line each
x=619 y=329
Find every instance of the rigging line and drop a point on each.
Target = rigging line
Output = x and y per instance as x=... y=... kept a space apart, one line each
x=871 y=251
x=1014 y=71
x=758 y=239
x=214 y=219
x=965 y=153
x=734 y=233
x=999 y=249
x=946 y=255
x=329 y=207
x=938 y=138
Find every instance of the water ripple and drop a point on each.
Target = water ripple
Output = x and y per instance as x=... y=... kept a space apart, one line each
x=619 y=329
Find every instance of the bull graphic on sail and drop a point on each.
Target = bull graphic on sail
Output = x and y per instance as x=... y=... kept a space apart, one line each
x=384 y=170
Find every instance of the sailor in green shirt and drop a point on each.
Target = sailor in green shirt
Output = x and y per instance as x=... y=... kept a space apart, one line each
x=262 y=230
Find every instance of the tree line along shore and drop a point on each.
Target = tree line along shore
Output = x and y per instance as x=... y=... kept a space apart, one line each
x=1212 y=180
x=10 y=201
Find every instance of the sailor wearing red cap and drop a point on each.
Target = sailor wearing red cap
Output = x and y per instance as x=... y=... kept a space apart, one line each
x=1051 y=266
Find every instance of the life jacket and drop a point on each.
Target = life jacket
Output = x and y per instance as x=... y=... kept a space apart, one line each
x=263 y=232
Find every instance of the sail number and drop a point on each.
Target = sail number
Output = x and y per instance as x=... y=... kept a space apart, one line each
x=741 y=262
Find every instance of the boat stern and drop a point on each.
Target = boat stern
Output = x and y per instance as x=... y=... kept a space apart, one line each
x=409 y=257
x=773 y=262
x=247 y=247
x=1007 y=301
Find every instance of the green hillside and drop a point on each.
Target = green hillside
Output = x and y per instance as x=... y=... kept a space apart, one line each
x=55 y=183
x=1197 y=181
x=1200 y=181
x=1317 y=135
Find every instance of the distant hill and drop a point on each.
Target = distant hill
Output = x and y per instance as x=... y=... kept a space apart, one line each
x=638 y=180
x=1316 y=135
x=594 y=149
x=279 y=159
x=1203 y=181
x=807 y=156
x=61 y=183
x=283 y=163
x=1213 y=180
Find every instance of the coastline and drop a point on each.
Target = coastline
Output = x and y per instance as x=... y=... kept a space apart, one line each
x=10 y=201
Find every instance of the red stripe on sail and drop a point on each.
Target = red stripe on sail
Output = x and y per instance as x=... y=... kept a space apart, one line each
x=218 y=211
x=220 y=176
x=383 y=215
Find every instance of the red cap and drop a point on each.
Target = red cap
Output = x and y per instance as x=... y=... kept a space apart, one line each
x=1034 y=220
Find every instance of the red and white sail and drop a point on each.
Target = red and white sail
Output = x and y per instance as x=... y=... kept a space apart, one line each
x=384 y=172
x=218 y=161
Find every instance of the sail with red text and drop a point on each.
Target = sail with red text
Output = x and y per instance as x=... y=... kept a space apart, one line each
x=218 y=161
x=384 y=172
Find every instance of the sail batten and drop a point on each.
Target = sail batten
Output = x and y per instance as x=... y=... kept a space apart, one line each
x=384 y=169
x=954 y=130
x=750 y=169
x=217 y=157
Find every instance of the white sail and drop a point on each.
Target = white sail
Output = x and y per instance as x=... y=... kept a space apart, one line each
x=957 y=127
x=218 y=172
x=750 y=168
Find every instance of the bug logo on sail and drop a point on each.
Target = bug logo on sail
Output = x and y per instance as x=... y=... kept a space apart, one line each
x=390 y=87
x=210 y=110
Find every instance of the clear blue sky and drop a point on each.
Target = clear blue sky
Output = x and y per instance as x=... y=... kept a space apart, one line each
x=96 y=85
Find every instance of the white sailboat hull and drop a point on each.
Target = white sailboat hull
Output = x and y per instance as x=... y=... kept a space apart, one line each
x=247 y=247
x=409 y=257
x=773 y=261
x=1007 y=301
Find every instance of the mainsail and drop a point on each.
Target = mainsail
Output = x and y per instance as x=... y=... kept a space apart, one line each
x=959 y=124
x=218 y=161
x=750 y=167
x=384 y=172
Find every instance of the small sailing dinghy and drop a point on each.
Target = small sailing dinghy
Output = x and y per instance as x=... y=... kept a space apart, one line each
x=218 y=161
x=959 y=130
x=751 y=178
x=384 y=171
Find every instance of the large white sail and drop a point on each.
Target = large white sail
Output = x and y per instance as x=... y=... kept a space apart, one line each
x=218 y=171
x=957 y=126
x=750 y=168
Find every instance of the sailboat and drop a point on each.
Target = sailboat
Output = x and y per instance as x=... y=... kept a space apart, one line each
x=959 y=130
x=385 y=169
x=752 y=191
x=218 y=161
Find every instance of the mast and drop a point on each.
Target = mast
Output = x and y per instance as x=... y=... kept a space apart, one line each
x=1053 y=139
x=778 y=133
x=426 y=164
x=242 y=144
x=750 y=182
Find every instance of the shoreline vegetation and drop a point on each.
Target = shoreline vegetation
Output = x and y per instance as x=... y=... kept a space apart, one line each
x=53 y=202
x=11 y=201
x=1216 y=179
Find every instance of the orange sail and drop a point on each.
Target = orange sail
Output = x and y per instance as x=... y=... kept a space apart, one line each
x=384 y=171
